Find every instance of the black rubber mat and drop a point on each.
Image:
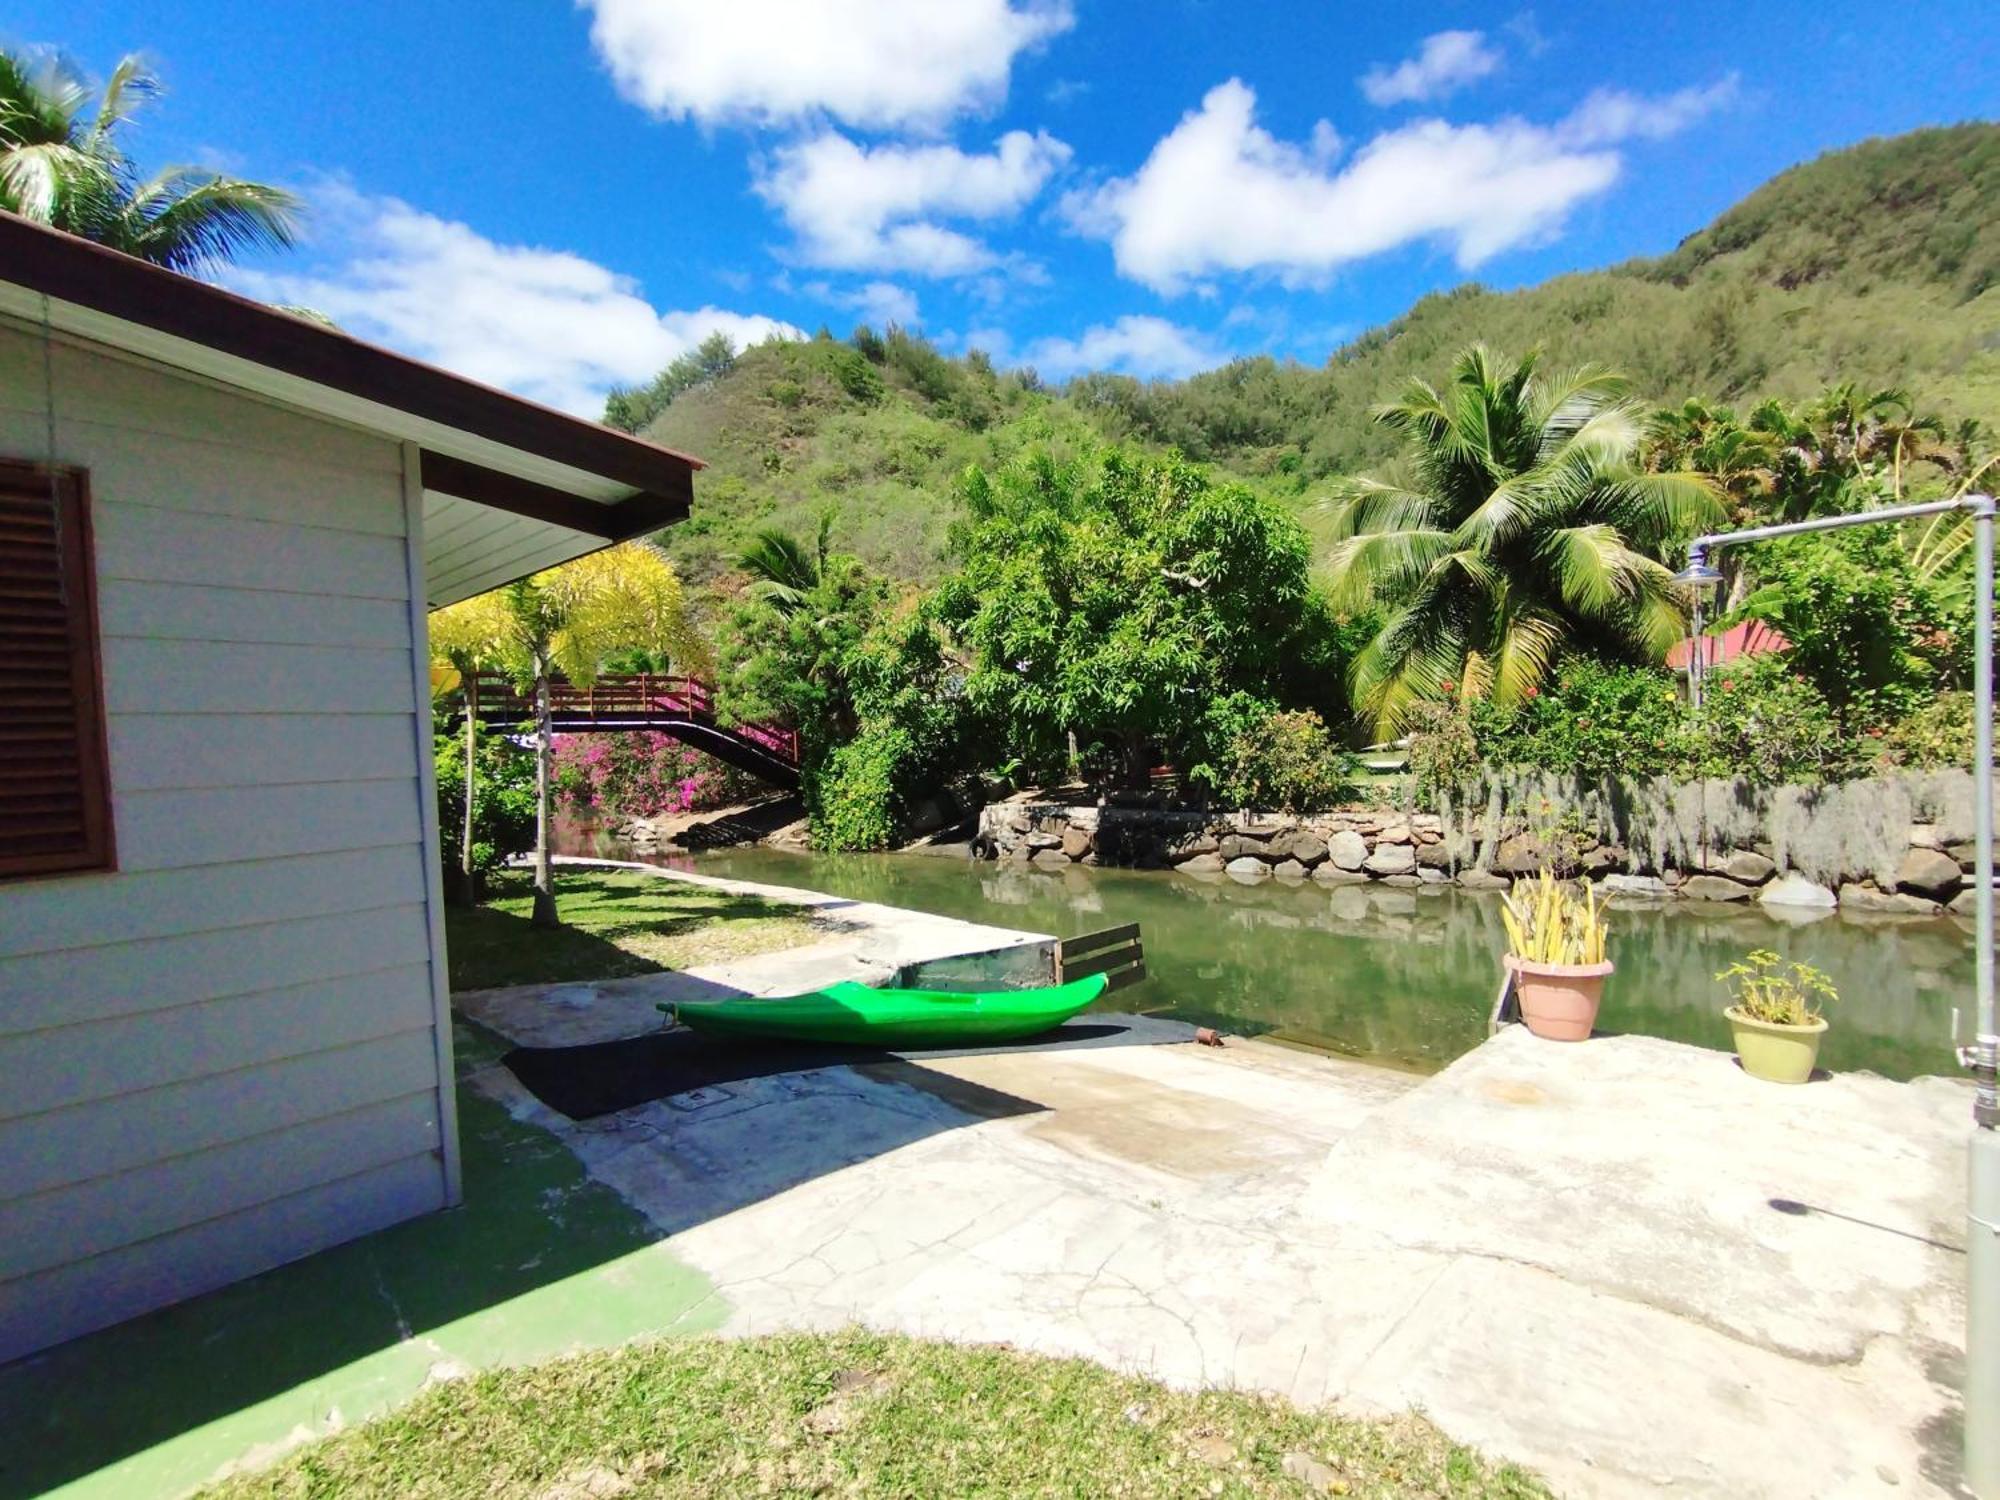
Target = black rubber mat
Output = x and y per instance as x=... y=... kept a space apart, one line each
x=605 y=1077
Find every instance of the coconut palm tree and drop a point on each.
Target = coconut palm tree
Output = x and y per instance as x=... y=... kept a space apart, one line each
x=1524 y=527
x=784 y=571
x=61 y=164
x=569 y=619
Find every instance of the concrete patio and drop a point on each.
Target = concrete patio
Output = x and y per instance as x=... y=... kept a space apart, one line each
x=1624 y=1263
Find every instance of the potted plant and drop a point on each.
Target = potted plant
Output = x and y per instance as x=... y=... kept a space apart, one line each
x=1776 y=1017
x=1556 y=934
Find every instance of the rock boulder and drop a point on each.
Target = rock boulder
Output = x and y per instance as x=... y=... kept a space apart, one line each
x=1928 y=872
x=1348 y=849
x=1391 y=859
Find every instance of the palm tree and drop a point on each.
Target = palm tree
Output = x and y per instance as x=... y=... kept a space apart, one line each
x=784 y=572
x=1741 y=459
x=569 y=619
x=1526 y=528
x=61 y=164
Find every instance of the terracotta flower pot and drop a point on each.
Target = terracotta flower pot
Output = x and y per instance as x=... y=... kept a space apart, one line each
x=1773 y=1051
x=1558 y=1001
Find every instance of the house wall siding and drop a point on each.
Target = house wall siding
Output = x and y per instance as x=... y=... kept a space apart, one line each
x=227 y=1053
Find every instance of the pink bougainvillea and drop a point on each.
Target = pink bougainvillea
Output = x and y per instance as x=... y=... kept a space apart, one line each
x=641 y=775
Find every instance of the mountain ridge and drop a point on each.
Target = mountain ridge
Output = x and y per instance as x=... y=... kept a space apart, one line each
x=1878 y=263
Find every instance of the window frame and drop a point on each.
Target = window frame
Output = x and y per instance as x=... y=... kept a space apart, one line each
x=76 y=564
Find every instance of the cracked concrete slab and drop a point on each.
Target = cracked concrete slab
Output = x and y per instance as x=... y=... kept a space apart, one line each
x=1622 y=1263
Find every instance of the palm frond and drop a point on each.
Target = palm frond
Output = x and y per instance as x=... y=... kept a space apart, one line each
x=187 y=219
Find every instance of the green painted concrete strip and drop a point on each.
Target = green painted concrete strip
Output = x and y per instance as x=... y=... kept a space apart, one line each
x=538 y=1261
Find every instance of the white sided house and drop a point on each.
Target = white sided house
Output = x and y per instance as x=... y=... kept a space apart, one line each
x=224 y=1035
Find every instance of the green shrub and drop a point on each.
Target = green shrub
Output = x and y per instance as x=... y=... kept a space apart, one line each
x=852 y=797
x=1596 y=719
x=1938 y=734
x=1444 y=755
x=1287 y=763
x=1763 y=723
x=503 y=800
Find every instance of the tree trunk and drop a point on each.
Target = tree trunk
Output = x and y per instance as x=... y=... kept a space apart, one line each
x=544 y=914
x=468 y=879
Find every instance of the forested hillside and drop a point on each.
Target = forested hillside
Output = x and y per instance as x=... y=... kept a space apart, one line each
x=1878 y=265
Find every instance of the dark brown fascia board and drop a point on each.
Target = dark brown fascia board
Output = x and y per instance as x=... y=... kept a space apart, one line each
x=614 y=522
x=70 y=269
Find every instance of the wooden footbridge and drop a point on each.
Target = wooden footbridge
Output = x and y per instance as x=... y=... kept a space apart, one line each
x=683 y=707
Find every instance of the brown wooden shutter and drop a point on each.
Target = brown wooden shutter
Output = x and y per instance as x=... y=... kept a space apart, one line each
x=55 y=797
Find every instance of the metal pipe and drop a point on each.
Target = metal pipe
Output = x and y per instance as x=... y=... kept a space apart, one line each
x=1982 y=1058
x=1982 y=1226
x=1703 y=544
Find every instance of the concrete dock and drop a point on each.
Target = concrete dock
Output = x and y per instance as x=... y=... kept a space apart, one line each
x=1621 y=1262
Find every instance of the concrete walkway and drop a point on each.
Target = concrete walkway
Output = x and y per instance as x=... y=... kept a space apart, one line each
x=1623 y=1263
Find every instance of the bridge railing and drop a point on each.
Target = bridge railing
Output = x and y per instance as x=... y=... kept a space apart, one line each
x=627 y=697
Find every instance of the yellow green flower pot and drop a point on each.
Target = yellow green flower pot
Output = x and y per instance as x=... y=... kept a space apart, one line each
x=1773 y=1052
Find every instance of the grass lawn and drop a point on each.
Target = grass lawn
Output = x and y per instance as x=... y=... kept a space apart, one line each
x=863 y=1414
x=615 y=923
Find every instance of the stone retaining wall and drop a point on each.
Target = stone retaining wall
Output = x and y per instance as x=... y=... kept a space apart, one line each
x=1919 y=867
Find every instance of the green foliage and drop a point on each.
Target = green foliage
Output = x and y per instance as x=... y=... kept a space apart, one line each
x=633 y=408
x=1596 y=719
x=1113 y=600
x=63 y=163
x=503 y=797
x=1762 y=723
x=1937 y=734
x=1444 y=755
x=1766 y=988
x=1864 y=630
x=1522 y=529
x=1282 y=759
x=852 y=794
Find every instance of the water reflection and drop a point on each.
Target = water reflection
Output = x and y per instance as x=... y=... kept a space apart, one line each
x=1407 y=977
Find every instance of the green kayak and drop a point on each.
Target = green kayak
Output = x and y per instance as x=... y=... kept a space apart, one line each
x=891 y=1018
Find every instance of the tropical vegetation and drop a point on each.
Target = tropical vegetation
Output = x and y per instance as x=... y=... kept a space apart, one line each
x=1461 y=533
x=63 y=163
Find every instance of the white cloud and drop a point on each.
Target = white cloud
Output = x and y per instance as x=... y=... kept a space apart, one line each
x=877 y=64
x=1219 y=194
x=1445 y=63
x=878 y=302
x=860 y=208
x=1615 y=115
x=546 y=324
x=1137 y=344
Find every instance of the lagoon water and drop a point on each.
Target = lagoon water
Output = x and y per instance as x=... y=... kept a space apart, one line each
x=1406 y=978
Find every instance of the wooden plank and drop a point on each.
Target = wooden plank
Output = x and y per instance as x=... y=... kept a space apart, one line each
x=103 y=394
x=1090 y=942
x=216 y=474
x=173 y=751
x=47 y=917
x=70 y=1065
x=179 y=829
x=225 y=677
x=1101 y=963
x=152 y=544
x=111 y=1136
x=71 y=1223
x=61 y=1303
x=1124 y=977
x=188 y=612
x=129 y=979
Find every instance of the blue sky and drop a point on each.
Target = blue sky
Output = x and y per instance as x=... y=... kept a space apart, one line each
x=557 y=197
